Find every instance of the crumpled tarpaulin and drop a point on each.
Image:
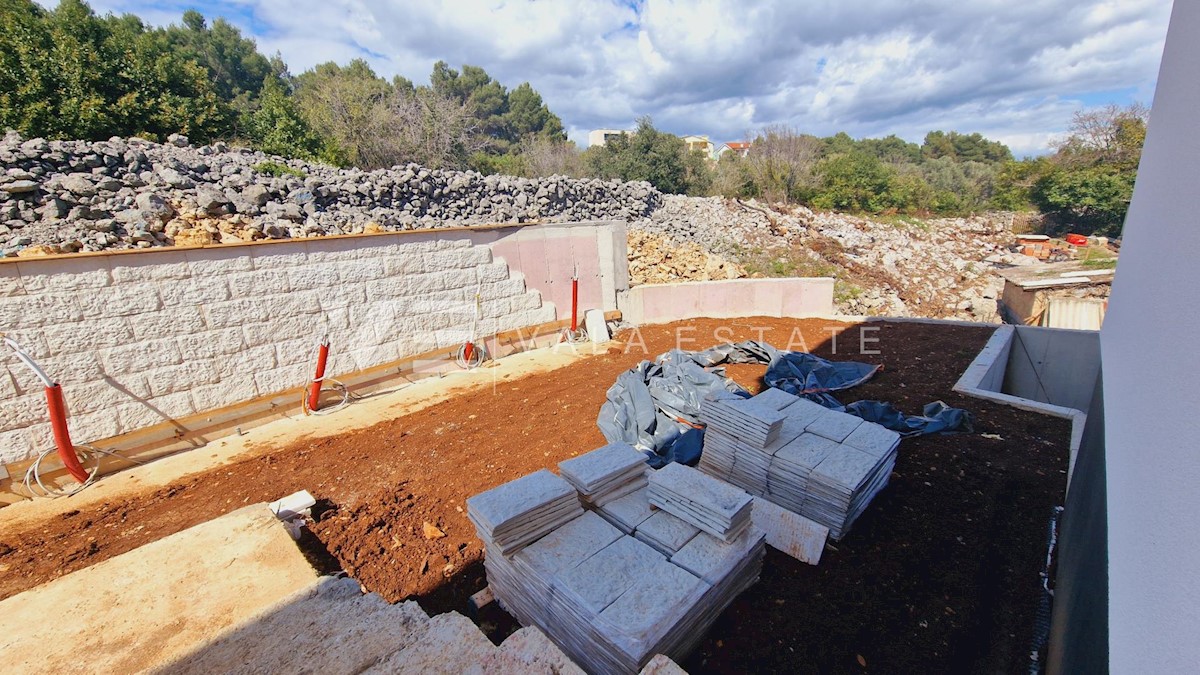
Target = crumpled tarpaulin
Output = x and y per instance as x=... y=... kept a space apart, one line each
x=655 y=406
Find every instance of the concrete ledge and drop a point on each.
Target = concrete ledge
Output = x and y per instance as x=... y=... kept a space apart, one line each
x=784 y=298
x=985 y=378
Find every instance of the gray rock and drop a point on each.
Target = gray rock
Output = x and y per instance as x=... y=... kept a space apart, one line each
x=18 y=187
x=257 y=195
x=154 y=207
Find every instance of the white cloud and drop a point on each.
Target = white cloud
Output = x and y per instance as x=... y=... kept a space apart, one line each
x=1011 y=70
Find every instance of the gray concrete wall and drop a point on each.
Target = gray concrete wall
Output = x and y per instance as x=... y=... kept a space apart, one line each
x=1079 y=629
x=141 y=338
x=1053 y=365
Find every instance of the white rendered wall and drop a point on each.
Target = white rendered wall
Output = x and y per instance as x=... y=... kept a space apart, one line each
x=1152 y=384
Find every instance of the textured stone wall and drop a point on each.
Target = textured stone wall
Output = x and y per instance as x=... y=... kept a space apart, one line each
x=143 y=338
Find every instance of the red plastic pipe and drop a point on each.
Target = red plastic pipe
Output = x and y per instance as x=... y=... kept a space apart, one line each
x=62 y=436
x=468 y=352
x=574 y=304
x=314 y=392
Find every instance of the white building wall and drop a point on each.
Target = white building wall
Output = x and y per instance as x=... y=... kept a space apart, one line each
x=1152 y=384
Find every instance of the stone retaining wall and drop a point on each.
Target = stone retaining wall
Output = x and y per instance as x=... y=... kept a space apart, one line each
x=142 y=338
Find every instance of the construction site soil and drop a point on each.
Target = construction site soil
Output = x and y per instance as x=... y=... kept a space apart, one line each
x=939 y=575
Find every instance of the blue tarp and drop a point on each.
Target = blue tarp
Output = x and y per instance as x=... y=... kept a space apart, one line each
x=655 y=406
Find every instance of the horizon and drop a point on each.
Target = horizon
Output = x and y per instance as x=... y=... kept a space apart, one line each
x=726 y=70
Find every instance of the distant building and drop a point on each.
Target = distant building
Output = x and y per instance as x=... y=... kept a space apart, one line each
x=599 y=137
x=738 y=148
x=699 y=143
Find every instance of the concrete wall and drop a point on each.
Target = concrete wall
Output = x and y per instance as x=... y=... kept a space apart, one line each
x=1053 y=365
x=1079 y=627
x=660 y=303
x=141 y=338
x=1151 y=398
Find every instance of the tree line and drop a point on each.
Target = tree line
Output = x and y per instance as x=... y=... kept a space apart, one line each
x=68 y=73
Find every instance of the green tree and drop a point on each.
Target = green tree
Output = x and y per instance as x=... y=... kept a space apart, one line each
x=529 y=116
x=853 y=181
x=233 y=62
x=647 y=154
x=70 y=74
x=278 y=128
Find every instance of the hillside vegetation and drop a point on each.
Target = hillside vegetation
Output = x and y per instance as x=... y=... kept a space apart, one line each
x=68 y=73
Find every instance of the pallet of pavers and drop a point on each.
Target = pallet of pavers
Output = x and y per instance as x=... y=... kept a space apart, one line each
x=517 y=513
x=823 y=464
x=712 y=505
x=612 y=601
x=607 y=473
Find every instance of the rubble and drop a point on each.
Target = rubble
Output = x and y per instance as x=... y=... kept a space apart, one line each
x=132 y=193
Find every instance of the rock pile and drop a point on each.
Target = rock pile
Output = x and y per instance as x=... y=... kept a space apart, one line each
x=655 y=259
x=73 y=196
x=70 y=196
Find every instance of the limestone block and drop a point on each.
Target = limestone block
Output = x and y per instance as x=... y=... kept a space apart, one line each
x=210 y=344
x=23 y=411
x=403 y=265
x=125 y=300
x=313 y=276
x=245 y=362
x=346 y=294
x=198 y=290
x=31 y=311
x=16 y=445
x=258 y=283
x=360 y=270
x=288 y=352
x=139 y=415
x=181 y=377
x=387 y=288
x=8 y=385
x=282 y=379
x=95 y=426
x=229 y=391
x=69 y=337
x=95 y=396
x=270 y=332
x=65 y=275
x=65 y=369
x=10 y=281
x=525 y=301
x=161 y=266
x=237 y=312
x=167 y=322
x=138 y=357
x=293 y=304
x=213 y=262
x=493 y=271
x=279 y=255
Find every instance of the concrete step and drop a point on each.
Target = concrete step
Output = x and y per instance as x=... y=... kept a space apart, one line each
x=331 y=627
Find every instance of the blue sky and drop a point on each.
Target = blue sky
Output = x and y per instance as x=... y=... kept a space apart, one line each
x=1014 y=71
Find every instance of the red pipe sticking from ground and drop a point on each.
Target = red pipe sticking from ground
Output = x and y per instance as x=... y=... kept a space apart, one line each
x=62 y=435
x=314 y=392
x=574 y=304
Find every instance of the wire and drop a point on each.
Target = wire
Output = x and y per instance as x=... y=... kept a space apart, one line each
x=334 y=385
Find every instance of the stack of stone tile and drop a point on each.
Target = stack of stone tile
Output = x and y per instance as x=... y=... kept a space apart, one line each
x=823 y=464
x=728 y=455
x=610 y=601
x=606 y=474
x=515 y=514
x=711 y=505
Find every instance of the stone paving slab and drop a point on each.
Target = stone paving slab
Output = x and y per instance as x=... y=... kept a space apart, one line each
x=834 y=425
x=597 y=468
x=602 y=578
x=666 y=533
x=629 y=511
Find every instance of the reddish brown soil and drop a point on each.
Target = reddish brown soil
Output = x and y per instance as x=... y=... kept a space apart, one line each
x=939 y=574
